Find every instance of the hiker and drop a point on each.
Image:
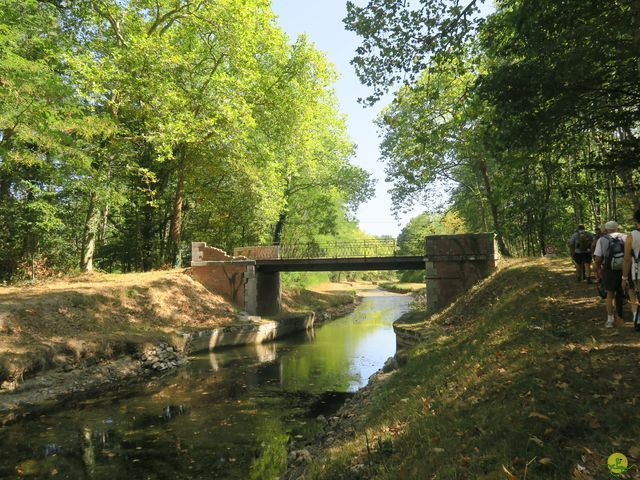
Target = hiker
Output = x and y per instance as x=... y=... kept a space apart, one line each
x=580 y=247
x=597 y=272
x=609 y=254
x=631 y=268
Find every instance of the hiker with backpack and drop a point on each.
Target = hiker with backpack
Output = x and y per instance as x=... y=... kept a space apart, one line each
x=599 y=232
x=631 y=268
x=609 y=254
x=580 y=247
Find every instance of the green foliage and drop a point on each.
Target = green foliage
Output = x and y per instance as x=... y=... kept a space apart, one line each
x=524 y=123
x=411 y=240
x=129 y=129
x=303 y=279
x=401 y=39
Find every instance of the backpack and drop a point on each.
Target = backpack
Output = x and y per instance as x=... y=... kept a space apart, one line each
x=584 y=241
x=636 y=260
x=615 y=253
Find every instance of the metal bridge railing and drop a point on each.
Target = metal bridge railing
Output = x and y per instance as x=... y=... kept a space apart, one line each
x=349 y=249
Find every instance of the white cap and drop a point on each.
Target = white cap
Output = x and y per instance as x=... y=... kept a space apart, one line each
x=611 y=225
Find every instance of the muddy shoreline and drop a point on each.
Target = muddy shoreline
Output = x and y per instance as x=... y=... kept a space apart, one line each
x=345 y=424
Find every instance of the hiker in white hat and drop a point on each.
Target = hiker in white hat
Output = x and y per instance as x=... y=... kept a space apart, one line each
x=609 y=255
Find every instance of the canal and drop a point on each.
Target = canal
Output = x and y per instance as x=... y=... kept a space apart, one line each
x=229 y=414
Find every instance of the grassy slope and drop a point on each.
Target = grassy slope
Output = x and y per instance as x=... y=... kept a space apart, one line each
x=98 y=316
x=522 y=373
x=297 y=299
x=402 y=287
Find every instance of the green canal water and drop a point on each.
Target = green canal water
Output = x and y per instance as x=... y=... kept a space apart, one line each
x=228 y=414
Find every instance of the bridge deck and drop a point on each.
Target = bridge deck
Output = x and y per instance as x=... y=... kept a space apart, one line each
x=341 y=264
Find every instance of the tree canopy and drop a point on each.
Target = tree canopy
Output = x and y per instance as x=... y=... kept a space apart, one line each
x=128 y=129
x=524 y=121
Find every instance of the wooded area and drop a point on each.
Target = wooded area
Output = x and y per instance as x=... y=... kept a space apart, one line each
x=528 y=116
x=130 y=128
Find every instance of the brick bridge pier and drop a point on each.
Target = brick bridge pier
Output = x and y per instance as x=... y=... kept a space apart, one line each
x=251 y=278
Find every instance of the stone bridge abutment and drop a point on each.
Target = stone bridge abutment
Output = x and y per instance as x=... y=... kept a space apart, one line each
x=454 y=263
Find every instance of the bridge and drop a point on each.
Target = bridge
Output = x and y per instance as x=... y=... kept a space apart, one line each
x=357 y=255
x=251 y=276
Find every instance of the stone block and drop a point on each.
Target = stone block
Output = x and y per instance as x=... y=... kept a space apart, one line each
x=465 y=245
x=454 y=263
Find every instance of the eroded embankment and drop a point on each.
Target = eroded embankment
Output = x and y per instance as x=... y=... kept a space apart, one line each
x=518 y=379
x=69 y=339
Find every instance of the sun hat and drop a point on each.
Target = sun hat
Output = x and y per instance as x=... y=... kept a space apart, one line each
x=611 y=225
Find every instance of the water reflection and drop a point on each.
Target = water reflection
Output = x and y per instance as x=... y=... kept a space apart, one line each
x=229 y=414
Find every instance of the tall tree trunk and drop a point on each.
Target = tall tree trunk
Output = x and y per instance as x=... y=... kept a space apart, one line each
x=89 y=235
x=148 y=229
x=5 y=177
x=277 y=234
x=148 y=219
x=611 y=197
x=493 y=206
x=626 y=173
x=104 y=218
x=543 y=209
x=282 y=218
x=176 y=218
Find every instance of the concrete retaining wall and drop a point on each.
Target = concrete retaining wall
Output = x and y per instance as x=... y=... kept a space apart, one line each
x=258 y=330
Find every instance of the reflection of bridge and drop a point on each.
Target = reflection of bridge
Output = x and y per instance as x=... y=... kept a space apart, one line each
x=251 y=278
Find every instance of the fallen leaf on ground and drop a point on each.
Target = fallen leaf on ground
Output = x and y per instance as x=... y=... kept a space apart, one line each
x=594 y=423
x=536 y=440
x=510 y=476
x=538 y=415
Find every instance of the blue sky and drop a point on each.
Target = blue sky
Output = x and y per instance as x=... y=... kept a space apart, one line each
x=321 y=20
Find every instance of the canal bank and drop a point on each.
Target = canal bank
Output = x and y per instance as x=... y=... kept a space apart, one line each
x=230 y=413
x=521 y=380
x=70 y=340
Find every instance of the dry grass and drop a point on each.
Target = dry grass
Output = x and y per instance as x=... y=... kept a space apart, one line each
x=98 y=316
x=319 y=297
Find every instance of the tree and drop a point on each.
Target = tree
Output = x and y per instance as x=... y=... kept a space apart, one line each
x=411 y=240
x=130 y=128
x=400 y=40
x=434 y=133
x=39 y=122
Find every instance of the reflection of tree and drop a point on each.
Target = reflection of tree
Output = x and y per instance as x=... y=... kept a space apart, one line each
x=327 y=361
x=88 y=452
x=271 y=459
